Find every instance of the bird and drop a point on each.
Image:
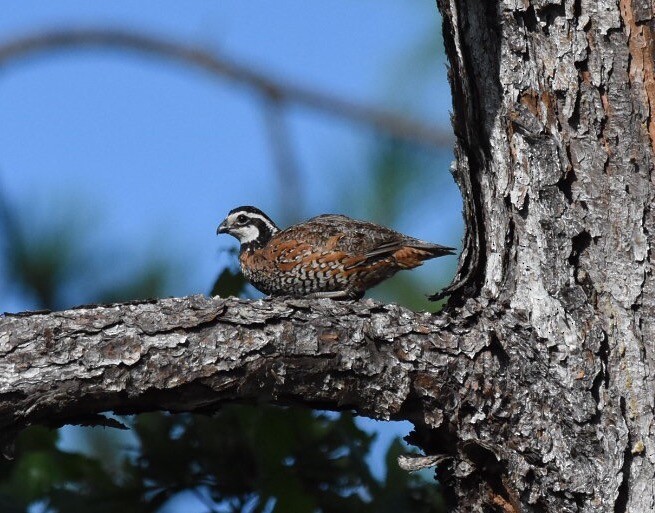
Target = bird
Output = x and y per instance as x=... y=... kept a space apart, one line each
x=328 y=256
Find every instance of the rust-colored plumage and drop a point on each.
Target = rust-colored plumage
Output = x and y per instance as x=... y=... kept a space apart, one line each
x=326 y=256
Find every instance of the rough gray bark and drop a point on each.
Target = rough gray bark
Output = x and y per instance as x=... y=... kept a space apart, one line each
x=535 y=388
x=554 y=116
x=192 y=354
x=195 y=353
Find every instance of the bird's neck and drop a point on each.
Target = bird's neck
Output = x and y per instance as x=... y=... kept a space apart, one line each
x=266 y=232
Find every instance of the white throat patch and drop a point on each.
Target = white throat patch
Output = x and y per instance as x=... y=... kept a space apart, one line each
x=246 y=234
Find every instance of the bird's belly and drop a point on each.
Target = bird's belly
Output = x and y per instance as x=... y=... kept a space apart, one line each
x=295 y=282
x=280 y=278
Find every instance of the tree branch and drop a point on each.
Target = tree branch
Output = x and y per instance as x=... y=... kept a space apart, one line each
x=470 y=398
x=284 y=160
x=224 y=68
x=196 y=353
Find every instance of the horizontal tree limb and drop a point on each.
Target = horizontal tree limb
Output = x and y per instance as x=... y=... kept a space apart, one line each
x=471 y=398
x=195 y=353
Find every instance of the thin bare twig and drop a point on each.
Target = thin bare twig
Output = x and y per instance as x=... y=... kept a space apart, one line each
x=285 y=162
x=225 y=68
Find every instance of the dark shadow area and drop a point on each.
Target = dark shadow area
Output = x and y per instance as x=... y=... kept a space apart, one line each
x=242 y=459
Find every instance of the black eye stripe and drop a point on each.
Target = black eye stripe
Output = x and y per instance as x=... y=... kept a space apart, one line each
x=244 y=220
x=246 y=210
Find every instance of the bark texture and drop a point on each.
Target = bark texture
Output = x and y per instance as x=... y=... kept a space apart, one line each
x=448 y=375
x=195 y=353
x=554 y=115
x=534 y=390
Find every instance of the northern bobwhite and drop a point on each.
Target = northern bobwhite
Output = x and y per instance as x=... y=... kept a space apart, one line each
x=329 y=256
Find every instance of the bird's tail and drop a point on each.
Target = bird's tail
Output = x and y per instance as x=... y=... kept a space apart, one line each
x=413 y=254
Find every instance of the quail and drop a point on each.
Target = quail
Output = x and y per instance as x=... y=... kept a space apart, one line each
x=329 y=256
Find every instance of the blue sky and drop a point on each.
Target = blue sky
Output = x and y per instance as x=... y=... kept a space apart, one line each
x=150 y=155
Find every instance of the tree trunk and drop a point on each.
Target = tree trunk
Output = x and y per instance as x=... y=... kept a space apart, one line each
x=554 y=112
x=535 y=387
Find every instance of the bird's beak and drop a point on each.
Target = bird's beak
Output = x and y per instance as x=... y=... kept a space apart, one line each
x=222 y=228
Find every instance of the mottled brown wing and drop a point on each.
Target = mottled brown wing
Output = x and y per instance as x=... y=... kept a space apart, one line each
x=290 y=253
x=340 y=233
x=362 y=241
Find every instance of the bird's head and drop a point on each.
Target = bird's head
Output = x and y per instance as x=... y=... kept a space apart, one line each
x=249 y=225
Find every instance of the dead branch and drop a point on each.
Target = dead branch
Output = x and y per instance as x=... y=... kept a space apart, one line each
x=223 y=68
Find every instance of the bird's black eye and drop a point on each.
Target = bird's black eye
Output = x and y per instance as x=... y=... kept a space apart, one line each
x=242 y=219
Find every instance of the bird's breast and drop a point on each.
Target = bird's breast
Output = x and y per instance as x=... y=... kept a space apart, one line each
x=297 y=270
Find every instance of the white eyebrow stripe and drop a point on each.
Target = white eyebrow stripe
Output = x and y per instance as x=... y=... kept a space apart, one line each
x=250 y=215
